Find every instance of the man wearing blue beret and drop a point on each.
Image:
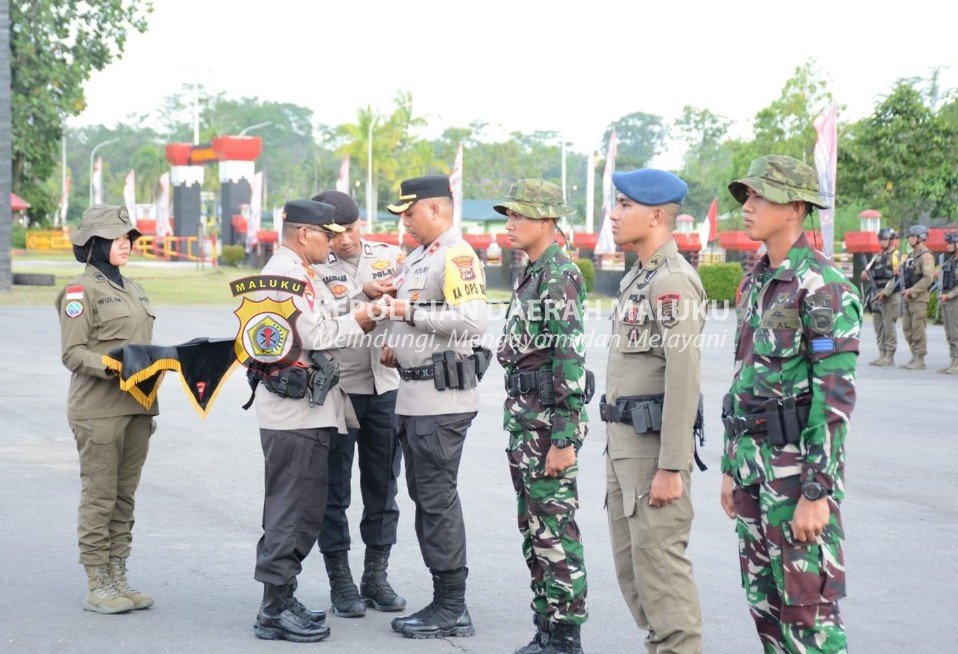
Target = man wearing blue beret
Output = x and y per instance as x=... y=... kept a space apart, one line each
x=652 y=408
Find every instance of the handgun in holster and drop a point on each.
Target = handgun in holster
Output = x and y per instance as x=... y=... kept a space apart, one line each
x=323 y=375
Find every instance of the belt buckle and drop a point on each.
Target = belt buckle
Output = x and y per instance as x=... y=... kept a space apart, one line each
x=521 y=386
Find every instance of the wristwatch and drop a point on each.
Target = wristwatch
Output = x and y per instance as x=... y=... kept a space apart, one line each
x=563 y=443
x=812 y=490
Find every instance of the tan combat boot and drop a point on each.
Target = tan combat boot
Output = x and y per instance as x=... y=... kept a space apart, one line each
x=887 y=360
x=908 y=363
x=103 y=596
x=953 y=368
x=918 y=363
x=140 y=600
x=877 y=362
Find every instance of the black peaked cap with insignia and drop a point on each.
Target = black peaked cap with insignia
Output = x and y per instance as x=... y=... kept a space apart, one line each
x=308 y=212
x=420 y=188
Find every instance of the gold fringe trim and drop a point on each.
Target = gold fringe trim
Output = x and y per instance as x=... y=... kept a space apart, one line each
x=209 y=403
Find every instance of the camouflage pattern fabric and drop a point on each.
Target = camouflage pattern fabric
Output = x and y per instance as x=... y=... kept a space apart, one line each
x=544 y=330
x=551 y=542
x=779 y=179
x=798 y=335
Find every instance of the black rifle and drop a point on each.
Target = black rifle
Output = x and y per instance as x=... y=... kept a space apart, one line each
x=869 y=287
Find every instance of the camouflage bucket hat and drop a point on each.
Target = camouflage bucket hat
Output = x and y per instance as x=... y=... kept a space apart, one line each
x=535 y=198
x=779 y=179
x=106 y=221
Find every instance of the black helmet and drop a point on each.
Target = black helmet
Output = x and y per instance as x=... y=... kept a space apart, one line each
x=887 y=233
x=920 y=231
x=951 y=237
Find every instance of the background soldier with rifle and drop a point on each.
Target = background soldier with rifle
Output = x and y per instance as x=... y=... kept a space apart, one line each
x=882 y=269
x=948 y=300
x=917 y=276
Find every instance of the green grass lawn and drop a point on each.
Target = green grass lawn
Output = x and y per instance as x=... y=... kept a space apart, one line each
x=166 y=285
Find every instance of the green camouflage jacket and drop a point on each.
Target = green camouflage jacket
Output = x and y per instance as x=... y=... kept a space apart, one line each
x=544 y=330
x=798 y=336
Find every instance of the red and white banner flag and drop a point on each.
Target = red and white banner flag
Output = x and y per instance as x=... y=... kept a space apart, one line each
x=97 y=181
x=255 y=212
x=826 y=162
x=713 y=220
x=604 y=243
x=65 y=202
x=455 y=181
x=129 y=194
x=163 y=228
x=342 y=184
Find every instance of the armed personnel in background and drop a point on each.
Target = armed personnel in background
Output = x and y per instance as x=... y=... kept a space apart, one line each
x=882 y=269
x=543 y=355
x=361 y=271
x=437 y=314
x=916 y=277
x=786 y=416
x=302 y=410
x=948 y=301
x=652 y=407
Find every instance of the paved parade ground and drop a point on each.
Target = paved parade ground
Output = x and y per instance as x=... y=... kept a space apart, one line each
x=199 y=508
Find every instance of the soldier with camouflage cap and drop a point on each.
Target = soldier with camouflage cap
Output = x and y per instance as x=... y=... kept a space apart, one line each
x=916 y=277
x=882 y=269
x=650 y=407
x=543 y=355
x=101 y=310
x=786 y=415
x=948 y=301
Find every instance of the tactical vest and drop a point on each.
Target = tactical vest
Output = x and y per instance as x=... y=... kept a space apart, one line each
x=913 y=271
x=949 y=275
x=882 y=270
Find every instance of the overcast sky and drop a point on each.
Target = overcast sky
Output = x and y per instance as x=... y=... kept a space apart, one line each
x=524 y=65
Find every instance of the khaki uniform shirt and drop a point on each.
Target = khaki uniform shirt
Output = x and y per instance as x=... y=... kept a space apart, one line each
x=923 y=262
x=97 y=316
x=656 y=348
x=361 y=372
x=446 y=282
x=317 y=330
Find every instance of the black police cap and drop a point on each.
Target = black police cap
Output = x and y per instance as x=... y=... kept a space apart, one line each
x=308 y=212
x=347 y=211
x=420 y=188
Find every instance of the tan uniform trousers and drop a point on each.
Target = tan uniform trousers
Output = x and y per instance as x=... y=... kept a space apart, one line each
x=885 y=333
x=112 y=452
x=949 y=314
x=913 y=323
x=648 y=546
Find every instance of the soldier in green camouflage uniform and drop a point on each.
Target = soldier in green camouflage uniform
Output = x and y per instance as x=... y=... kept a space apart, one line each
x=544 y=359
x=786 y=416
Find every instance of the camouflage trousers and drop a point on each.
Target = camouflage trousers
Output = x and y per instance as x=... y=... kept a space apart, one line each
x=551 y=543
x=792 y=588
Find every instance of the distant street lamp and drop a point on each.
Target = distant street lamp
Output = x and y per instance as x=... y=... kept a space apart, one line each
x=370 y=209
x=256 y=126
x=92 y=155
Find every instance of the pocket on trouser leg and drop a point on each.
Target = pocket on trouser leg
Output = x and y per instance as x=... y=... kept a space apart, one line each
x=95 y=441
x=809 y=576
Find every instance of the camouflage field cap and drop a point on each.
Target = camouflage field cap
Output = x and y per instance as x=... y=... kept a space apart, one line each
x=535 y=198
x=779 y=179
x=106 y=221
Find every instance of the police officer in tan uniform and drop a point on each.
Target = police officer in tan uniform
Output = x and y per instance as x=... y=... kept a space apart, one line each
x=438 y=311
x=651 y=405
x=297 y=422
x=918 y=274
x=361 y=270
x=101 y=310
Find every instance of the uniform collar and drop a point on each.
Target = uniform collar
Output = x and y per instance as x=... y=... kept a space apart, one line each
x=547 y=255
x=799 y=252
x=666 y=250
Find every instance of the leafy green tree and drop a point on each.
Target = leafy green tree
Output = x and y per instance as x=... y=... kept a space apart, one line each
x=639 y=137
x=901 y=159
x=54 y=48
x=707 y=163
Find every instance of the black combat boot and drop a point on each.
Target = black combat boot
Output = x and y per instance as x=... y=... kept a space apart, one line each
x=564 y=639
x=318 y=617
x=342 y=591
x=424 y=612
x=281 y=617
x=541 y=640
x=374 y=587
x=450 y=617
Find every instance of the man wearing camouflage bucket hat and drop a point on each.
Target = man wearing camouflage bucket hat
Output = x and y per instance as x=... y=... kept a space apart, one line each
x=787 y=414
x=101 y=310
x=543 y=355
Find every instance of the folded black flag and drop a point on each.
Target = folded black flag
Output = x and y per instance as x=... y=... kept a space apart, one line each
x=203 y=364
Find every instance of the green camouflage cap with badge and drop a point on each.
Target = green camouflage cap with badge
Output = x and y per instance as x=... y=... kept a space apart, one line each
x=535 y=198
x=779 y=179
x=106 y=221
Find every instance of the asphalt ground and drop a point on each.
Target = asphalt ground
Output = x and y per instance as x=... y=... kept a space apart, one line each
x=200 y=500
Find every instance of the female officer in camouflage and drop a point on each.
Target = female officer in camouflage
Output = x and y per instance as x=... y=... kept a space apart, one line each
x=786 y=416
x=544 y=358
x=101 y=310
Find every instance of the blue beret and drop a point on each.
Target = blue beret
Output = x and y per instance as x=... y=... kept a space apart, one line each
x=650 y=187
